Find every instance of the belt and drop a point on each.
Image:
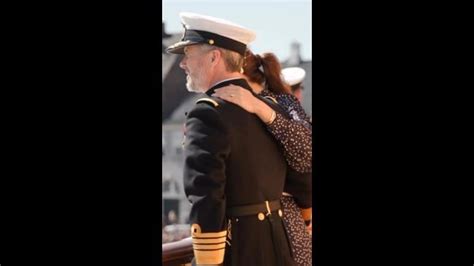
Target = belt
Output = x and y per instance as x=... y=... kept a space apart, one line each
x=245 y=210
x=264 y=210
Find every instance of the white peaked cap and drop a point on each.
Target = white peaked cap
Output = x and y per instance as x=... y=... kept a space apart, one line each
x=213 y=31
x=293 y=75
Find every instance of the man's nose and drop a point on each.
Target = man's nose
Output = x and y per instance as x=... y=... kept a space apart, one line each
x=182 y=64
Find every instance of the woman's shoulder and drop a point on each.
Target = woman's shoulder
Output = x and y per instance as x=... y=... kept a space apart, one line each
x=282 y=98
x=267 y=92
x=287 y=98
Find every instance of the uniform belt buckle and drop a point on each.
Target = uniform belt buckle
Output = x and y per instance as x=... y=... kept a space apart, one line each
x=269 y=212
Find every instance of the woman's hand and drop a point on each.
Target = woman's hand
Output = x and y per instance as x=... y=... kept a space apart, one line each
x=245 y=99
x=239 y=96
x=309 y=228
x=307 y=215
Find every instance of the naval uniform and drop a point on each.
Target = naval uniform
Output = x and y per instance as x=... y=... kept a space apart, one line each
x=234 y=171
x=234 y=176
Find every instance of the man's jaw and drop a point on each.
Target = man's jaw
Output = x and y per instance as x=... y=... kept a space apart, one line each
x=191 y=86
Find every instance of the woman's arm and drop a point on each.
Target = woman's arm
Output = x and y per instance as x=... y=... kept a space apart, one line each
x=293 y=135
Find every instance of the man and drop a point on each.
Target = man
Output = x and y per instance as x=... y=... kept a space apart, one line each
x=234 y=171
x=294 y=76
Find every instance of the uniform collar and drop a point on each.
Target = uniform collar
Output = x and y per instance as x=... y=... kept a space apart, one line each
x=236 y=81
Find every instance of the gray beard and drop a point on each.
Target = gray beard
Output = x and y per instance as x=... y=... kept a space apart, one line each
x=191 y=86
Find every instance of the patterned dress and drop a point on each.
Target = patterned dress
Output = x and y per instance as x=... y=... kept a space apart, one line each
x=295 y=136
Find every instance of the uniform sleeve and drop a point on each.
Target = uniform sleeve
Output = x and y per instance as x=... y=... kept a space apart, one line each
x=297 y=142
x=206 y=148
x=299 y=185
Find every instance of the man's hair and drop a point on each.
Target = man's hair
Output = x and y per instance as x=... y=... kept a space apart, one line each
x=233 y=61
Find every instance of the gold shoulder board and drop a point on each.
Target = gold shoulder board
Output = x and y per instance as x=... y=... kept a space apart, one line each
x=271 y=98
x=214 y=103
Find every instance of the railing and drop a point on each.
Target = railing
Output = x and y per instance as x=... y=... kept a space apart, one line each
x=177 y=253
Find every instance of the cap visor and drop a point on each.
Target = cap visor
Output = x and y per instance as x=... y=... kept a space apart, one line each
x=178 y=48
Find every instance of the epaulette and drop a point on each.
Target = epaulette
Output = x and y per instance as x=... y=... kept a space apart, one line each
x=213 y=102
x=271 y=98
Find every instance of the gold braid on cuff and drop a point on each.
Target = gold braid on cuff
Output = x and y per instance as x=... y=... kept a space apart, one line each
x=209 y=248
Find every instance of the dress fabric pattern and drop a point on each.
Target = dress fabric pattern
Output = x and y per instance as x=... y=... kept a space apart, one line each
x=301 y=242
x=295 y=135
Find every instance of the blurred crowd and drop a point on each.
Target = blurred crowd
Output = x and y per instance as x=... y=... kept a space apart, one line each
x=172 y=231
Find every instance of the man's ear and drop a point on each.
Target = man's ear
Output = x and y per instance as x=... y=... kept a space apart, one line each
x=215 y=55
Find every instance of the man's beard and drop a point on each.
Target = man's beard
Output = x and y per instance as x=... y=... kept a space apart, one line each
x=193 y=85
x=190 y=85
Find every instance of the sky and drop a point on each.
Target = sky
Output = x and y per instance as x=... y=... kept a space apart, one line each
x=277 y=23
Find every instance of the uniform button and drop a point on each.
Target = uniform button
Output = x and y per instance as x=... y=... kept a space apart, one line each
x=261 y=216
x=280 y=213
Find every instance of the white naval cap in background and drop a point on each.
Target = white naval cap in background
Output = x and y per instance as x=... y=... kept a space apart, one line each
x=293 y=75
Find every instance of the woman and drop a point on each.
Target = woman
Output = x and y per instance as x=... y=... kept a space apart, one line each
x=295 y=136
